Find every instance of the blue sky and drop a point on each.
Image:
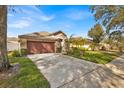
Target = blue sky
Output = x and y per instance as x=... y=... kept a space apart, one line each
x=74 y=19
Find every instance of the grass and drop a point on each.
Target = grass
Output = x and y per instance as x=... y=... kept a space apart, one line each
x=100 y=57
x=28 y=77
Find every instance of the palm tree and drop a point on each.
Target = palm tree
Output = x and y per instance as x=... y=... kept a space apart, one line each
x=4 y=62
x=69 y=41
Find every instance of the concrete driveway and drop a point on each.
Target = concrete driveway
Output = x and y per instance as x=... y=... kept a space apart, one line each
x=60 y=69
x=65 y=71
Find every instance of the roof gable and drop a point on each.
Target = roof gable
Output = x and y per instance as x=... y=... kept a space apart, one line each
x=58 y=32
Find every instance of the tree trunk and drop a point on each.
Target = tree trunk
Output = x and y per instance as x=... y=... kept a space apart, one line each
x=4 y=63
x=120 y=50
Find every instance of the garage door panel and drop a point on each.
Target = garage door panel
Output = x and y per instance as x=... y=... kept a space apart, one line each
x=40 y=47
x=47 y=47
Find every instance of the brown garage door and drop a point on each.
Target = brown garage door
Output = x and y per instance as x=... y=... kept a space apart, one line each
x=36 y=47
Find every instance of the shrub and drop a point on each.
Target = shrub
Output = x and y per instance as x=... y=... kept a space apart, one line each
x=74 y=52
x=59 y=50
x=23 y=52
x=83 y=49
x=15 y=53
x=10 y=53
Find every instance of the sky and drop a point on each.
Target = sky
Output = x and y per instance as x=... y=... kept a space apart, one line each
x=71 y=19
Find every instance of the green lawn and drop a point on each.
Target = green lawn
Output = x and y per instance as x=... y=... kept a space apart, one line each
x=29 y=76
x=100 y=57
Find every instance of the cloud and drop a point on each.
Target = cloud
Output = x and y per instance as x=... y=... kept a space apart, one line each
x=36 y=13
x=29 y=15
x=10 y=15
x=19 y=24
x=46 y=18
x=77 y=14
x=62 y=26
x=67 y=26
x=27 y=18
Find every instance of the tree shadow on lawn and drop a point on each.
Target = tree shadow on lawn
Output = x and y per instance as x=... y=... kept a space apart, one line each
x=28 y=76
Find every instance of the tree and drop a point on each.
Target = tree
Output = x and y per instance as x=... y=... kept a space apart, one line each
x=68 y=42
x=81 y=41
x=4 y=62
x=77 y=41
x=118 y=38
x=111 y=16
x=97 y=34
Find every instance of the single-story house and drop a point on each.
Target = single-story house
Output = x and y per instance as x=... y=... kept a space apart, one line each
x=43 y=42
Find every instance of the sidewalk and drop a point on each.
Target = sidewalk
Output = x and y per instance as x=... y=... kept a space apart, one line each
x=117 y=66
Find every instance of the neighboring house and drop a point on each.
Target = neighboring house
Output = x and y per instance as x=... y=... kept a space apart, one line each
x=78 y=43
x=88 y=43
x=43 y=42
x=12 y=43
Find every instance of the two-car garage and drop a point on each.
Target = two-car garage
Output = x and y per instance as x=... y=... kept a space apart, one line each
x=36 y=47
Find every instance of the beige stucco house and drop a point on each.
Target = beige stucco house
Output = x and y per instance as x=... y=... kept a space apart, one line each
x=43 y=42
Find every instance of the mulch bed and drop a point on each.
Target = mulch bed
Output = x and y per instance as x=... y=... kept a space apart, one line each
x=11 y=72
